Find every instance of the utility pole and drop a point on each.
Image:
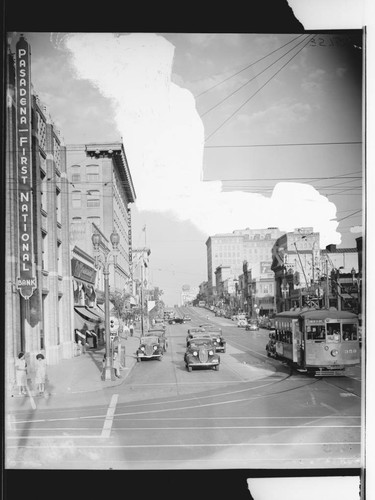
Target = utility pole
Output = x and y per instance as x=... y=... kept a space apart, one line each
x=142 y=320
x=327 y=287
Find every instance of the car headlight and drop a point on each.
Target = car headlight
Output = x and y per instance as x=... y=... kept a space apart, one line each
x=210 y=353
x=195 y=353
x=155 y=347
x=218 y=340
x=142 y=348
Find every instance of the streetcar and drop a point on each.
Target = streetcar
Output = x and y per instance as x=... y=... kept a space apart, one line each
x=321 y=342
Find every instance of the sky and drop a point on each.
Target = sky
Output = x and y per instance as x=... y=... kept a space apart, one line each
x=221 y=132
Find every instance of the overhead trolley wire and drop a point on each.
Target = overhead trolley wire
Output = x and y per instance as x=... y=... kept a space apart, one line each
x=253 y=78
x=258 y=90
x=247 y=67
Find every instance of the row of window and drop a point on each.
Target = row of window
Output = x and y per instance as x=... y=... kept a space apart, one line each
x=91 y=171
x=92 y=199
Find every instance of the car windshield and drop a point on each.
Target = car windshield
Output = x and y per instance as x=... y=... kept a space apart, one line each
x=200 y=342
x=151 y=339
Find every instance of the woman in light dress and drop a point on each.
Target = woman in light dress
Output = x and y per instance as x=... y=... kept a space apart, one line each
x=21 y=374
x=40 y=373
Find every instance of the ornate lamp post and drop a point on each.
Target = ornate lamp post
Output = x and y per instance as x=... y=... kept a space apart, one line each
x=103 y=261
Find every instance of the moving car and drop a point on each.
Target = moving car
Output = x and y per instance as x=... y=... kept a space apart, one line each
x=176 y=320
x=159 y=332
x=200 y=352
x=149 y=348
x=217 y=337
x=196 y=333
x=241 y=323
x=252 y=325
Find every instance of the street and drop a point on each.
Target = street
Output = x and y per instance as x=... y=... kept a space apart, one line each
x=252 y=413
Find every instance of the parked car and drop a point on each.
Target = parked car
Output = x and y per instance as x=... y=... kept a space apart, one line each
x=150 y=348
x=241 y=323
x=252 y=325
x=200 y=352
x=159 y=320
x=159 y=332
x=187 y=318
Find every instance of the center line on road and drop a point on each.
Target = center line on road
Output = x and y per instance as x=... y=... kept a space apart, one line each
x=108 y=422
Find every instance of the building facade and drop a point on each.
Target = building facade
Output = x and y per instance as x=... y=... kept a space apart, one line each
x=232 y=249
x=101 y=191
x=38 y=292
x=305 y=275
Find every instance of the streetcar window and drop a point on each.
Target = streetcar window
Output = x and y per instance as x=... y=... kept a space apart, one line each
x=349 y=331
x=333 y=332
x=316 y=333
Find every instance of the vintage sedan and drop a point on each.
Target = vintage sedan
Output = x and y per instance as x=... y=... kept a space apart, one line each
x=241 y=323
x=218 y=341
x=176 y=320
x=158 y=332
x=196 y=333
x=252 y=325
x=150 y=348
x=200 y=352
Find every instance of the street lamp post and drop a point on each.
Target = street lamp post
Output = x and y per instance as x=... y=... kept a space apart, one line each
x=103 y=261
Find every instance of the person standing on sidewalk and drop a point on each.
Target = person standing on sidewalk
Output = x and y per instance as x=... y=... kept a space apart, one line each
x=40 y=373
x=131 y=328
x=116 y=363
x=21 y=373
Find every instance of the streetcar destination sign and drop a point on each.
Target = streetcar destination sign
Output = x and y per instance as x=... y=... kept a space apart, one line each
x=26 y=280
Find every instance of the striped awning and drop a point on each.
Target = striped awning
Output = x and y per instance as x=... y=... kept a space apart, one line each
x=89 y=313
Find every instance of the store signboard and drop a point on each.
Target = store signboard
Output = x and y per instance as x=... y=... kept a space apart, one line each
x=26 y=279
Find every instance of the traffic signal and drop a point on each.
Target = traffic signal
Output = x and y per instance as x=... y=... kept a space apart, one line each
x=111 y=323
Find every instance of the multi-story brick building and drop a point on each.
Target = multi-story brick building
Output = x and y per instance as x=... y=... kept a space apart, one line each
x=232 y=249
x=38 y=293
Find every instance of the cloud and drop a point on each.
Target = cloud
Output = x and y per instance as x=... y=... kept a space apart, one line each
x=163 y=137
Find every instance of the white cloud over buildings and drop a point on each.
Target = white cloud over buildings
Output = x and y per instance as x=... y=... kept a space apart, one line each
x=163 y=136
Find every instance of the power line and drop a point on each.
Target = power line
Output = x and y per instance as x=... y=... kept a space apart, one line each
x=251 y=79
x=350 y=215
x=249 y=66
x=290 y=144
x=256 y=92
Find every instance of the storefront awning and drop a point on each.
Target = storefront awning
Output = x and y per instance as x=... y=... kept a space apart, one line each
x=83 y=323
x=89 y=313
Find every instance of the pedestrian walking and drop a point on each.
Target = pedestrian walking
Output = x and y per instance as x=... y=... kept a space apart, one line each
x=21 y=373
x=40 y=373
x=116 y=364
x=131 y=328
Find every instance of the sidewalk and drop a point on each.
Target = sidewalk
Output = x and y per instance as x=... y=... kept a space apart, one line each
x=81 y=374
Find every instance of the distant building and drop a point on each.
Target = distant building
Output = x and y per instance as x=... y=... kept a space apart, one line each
x=232 y=249
x=301 y=269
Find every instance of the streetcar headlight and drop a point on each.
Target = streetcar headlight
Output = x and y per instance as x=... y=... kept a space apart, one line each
x=195 y=353
x=334 y=352
x=210 y=353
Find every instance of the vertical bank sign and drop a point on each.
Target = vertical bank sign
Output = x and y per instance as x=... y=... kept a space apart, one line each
x=26 y=280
